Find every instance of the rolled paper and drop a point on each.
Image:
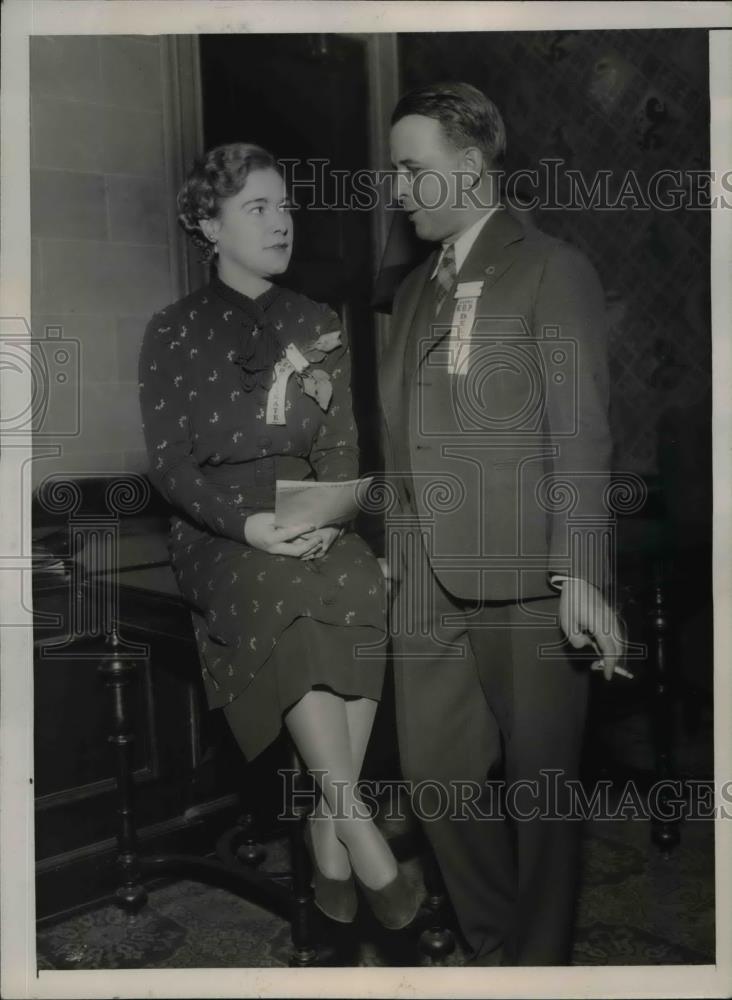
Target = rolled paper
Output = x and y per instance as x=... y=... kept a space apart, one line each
x=319 y=504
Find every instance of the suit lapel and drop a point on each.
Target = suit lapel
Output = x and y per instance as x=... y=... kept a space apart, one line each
x=494 y=250
x=490 y=257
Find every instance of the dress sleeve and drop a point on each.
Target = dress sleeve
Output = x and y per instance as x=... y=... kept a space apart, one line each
x=173 y=469
x=334 y=454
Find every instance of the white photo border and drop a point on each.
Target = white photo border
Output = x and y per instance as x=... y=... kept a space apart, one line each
x=23 y=18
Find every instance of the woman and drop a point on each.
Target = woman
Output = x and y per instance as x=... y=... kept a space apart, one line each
x=243 y=383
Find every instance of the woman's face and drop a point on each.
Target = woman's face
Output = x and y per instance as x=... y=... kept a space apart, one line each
x=254 y=227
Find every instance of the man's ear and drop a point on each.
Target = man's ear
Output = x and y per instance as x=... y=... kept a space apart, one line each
x=474 y=162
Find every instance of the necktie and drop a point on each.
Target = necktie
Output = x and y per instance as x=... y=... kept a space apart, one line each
x=446 y=275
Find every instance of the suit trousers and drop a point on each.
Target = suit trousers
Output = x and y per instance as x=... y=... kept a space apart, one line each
x=490 y=720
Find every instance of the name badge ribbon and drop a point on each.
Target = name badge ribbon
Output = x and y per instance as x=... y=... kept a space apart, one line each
x=276 y=396
x=296 y=358
x=467 y=294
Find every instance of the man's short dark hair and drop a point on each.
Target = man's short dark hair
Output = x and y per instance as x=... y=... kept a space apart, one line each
x=467 y=116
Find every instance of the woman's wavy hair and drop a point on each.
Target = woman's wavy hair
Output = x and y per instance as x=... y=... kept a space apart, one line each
x=218 y=174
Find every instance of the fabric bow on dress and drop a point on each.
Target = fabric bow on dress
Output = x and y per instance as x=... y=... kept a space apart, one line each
x=258 y=358
x=266 y=363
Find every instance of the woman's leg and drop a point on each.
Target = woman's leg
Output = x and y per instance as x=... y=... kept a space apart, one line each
x=360 y=713
x=331 y=853
x=319 y=726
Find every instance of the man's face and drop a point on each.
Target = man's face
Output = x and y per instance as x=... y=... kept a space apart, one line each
x=254 y=227
x=428 y=177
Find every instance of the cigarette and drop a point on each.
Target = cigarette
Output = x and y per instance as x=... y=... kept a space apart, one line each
x=598 y=665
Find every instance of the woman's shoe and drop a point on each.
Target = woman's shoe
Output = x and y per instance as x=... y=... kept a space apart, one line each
x=396 y=904
x=335 y=897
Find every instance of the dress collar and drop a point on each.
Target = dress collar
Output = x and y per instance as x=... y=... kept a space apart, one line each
x=252 y=307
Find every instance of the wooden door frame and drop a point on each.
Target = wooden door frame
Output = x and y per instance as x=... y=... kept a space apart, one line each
x=183 y=142
x=384 y=89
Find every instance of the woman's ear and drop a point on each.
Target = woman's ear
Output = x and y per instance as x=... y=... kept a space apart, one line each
x=210 y=229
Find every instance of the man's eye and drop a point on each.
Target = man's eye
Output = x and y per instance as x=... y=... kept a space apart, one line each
x=256 y=210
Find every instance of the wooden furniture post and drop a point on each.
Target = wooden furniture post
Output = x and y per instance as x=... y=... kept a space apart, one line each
x=119 y=674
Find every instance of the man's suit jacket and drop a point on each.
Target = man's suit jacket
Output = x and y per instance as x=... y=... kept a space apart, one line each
x=508 y=458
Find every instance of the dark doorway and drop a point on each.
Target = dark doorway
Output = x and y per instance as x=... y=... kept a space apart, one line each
x=305 y=98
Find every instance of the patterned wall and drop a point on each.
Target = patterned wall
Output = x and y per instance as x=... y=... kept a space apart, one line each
x=619 y=101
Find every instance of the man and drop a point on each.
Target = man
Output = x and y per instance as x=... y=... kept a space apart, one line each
x=494 y=389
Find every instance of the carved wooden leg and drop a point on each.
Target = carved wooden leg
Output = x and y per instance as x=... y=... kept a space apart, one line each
x=304 y=951
x=250 y=851
x=664 y=833
x=436 y=941
x=119 y=674
x=238 y=845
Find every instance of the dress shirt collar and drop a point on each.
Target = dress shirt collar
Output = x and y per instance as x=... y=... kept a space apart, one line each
x=464 y=243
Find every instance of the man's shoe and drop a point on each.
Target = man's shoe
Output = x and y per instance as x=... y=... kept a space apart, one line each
x=396 y=904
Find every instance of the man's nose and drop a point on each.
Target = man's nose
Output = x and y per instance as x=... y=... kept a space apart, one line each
x=403 y=189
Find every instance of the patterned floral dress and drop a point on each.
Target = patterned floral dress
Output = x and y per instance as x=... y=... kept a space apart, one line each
x=268 y=628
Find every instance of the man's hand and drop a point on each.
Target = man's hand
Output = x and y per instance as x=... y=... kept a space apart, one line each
x=586 y=618
x=321 y=540
x=261 y=533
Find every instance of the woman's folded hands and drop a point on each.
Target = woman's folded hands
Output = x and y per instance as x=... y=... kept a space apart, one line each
x=302 y=541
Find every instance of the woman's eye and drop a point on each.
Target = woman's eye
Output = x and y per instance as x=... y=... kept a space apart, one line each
x=256 y=210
